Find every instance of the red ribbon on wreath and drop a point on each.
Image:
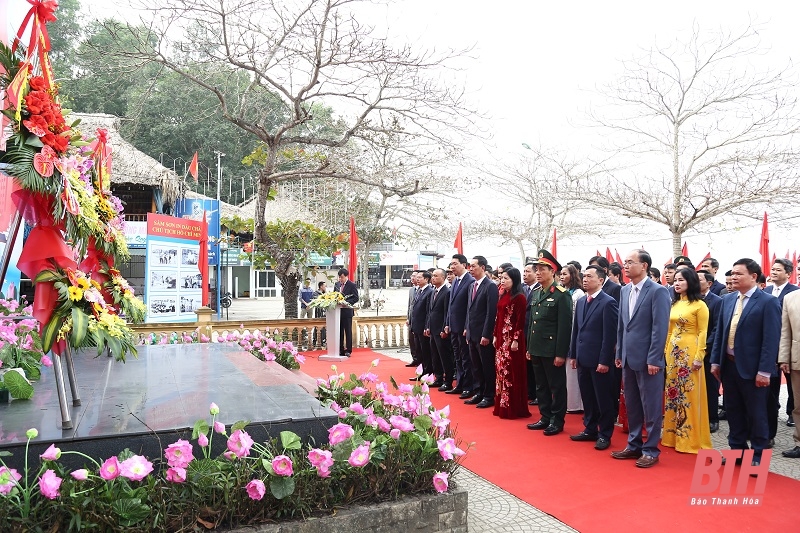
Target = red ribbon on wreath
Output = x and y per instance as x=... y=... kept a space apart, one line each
x=102 y=158
x=44 y=248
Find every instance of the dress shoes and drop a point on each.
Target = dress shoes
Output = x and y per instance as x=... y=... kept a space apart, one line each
x=466 y=394
x=583 y=437
x=533 y=402
x=541 y=424
x=475 y=400
x=602 y=444
x=455 y=390
x=486 y=402
x=575 y=412
x=627 y=453
x=436 y=384
x=646 y=461
x=415 y=378
x=756 y=462
x=738 y=461
x=551 y=430
x=713 y=427
x=790 y=422
x=770 y=444
x=722 y=415
x=412 y=363
x=445 y=387
x=794 y=453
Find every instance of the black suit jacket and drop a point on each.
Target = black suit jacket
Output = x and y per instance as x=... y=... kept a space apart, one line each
x=419 y=316
x=350 y=293
x=457 y=313
x=594 y=331
x=482 y=311
x=612 y=289
x=716 y=287
x=714 y=303
x=437 y=310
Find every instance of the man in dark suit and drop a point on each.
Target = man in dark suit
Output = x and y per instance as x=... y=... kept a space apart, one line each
x=350 y=292
x=609 y=287
x=744 y=356
x=412 y=343
x=780 y=272
x=712 y=265
x=419 y=319
x=713 y=302
x=456 y=324
x=481 y=314
x=441 y=348
x=548 y=335
x=591 y=351
x=529 y=283
x=641 y=336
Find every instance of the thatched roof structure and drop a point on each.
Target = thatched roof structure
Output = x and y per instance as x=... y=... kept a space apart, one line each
x=130 y=165
x=281 y=209
x=227 y=210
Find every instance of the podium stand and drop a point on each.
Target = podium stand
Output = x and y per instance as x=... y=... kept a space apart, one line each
x=333 y=320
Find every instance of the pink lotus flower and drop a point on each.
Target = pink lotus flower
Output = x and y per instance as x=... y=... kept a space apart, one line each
x=51 y=454
x=405 y=388
x=418 y=370
x=342 y=414
x=383 y=425
x=135 y=468
x=282 y=466
x=402 y=423
x=80 y=475
x=176 y=474
x=256 y=489
x=440 y=419
x=46 y=361
x=213 y=409
x=357 y=408
x=319 y=458
x=395 y=434
x=109 y=469
x=49 y=484
x=339 y=433
x=360 y=456
x=219 y=427
x=448 y=449
x=204 y=337
x=375 y=362
x=202 y=440
x=300 y=359
x=8 y=479
x=440 y=482
x=369 y=377
x=179 y=454
x=358 y=391
x=240 y=443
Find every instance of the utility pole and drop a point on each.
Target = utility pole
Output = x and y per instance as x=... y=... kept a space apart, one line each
x=220 y=155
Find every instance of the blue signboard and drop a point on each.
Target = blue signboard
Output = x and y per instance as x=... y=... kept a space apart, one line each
x=193 y=208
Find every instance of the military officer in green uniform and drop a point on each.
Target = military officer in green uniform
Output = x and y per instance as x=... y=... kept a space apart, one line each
x=548 y=332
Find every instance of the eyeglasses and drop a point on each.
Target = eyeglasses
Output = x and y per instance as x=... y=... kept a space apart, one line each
x=629 y=263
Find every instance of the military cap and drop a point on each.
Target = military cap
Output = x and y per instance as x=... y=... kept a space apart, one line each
x=683 y=260
x=546 y=258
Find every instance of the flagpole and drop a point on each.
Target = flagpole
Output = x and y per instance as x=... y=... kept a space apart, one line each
x=220 y=155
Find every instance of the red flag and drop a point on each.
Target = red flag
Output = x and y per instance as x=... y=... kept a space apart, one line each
x=352 y=263
x=597 y=253
x=553 y=246
x=608 y=255
x=793 y=276
x=459 y=242
x=619 y=260
x=193 y=167
x=202 y=262
x=763 y=246
x=685 y=250
x=707 y=256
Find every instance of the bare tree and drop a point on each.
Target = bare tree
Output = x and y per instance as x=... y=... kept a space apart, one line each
x=542 y=192
x=715 y=133
x=299 y=56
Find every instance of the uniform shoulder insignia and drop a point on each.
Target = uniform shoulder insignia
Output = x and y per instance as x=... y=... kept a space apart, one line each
x=562 y=289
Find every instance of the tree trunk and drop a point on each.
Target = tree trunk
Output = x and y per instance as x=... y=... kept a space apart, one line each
x=290 y=283
x=676 y=244
x=366 y=302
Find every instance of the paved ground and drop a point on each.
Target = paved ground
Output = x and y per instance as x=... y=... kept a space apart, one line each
x=490 y=507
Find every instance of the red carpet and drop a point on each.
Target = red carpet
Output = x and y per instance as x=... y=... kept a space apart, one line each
x=583 y=487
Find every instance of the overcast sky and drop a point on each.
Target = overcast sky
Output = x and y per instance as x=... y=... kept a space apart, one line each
x=534 y=67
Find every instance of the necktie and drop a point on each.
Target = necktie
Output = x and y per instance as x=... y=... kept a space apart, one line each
x=527 y=291
x=737 y=313
x=776 y=292
x=589 y=299
x=455 y=286
x=474 y=290
x=435 y=294
x=632 y=302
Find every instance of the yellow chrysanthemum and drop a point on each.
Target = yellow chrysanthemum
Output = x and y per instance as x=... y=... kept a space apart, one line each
x=83 y=283
x=75 y=293
x=95 y=284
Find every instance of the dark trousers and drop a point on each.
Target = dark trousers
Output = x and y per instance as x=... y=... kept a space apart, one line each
x=412 y=347
x=462 y=360
x=346 y=331
x=483 y=369
x=773 y=404
x=746 y=407
x=599 y=393
x=551 y=390
x=424 y=352
x=712 y=390
x=531 y=379
x=644 y=401
x=442 y=356
x=790 y=401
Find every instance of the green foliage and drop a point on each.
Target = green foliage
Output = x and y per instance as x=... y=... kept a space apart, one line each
x=18 y=386
x=291 y=243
